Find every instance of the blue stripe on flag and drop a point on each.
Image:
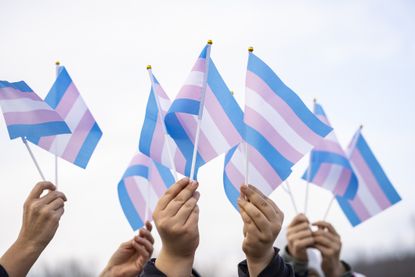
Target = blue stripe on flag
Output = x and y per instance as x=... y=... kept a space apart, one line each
x=318 y=109
x=36 y=130
x=264 y=72
x=149 y=125
x=165 y=174
x=58 y=89
x=377 y=170
x=21 y=85
x=352 y=187
x=203 y=53
x=321 y=157
x=188 y=106
x=136 y=170
x=280 y=164
x=230 y=191
x=225 y=98
x=88 y=146
x=348 y=211
x=128 y=207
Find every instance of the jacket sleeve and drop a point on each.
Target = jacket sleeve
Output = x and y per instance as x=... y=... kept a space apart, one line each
x=150 y=270
x=277 y=267
x=3 y=272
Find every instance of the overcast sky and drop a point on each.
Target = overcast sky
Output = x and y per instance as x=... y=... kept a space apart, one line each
x=356 y=57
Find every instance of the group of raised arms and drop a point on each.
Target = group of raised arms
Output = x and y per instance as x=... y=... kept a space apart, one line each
x=176 y=218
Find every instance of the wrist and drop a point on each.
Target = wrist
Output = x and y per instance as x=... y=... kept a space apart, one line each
x=257 y=264
x=174 y=265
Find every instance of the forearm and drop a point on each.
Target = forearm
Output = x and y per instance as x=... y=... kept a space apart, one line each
x=256 y=266
x=19 y=258
x=174 y=266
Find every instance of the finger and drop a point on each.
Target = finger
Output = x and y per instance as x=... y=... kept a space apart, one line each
x=249 y=225
x=304 y=243
x=51 y=196
x=141 y=250
x=56 y=204
x=144 y=242
x=298 y=228
x=39 y=188
x=259 y=200
x=193 y=219
x=300 y=235
x=144 y=233
x=254 y=213
x=325 y=251
x=328 y=226
x=59 y=212
x=149 y=226
x=187 y=208
x=171 y=193
x=299 y=219
x=180 y=200
x=326 y=234
x=324 y=241
x=126 y=245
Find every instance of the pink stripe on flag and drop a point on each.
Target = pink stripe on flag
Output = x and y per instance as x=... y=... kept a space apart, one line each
x=11 y=93
x=264 y=168
x=135 y=196
x=253 y=118
x=221 y=119
x=370 y=180
x=330 y=146
x=259 y=86
x=160 y=92
x=157 y=142
x=321 y=174
x=342 y=182
x=190 y=92
x=78 y=137
x=31 y=117
x=67 y=101
x=236 y=178
x=46 y=142
x=360 y=208
x=180 y=161
x=199 y=65
x=157 y=181
x=140 y=159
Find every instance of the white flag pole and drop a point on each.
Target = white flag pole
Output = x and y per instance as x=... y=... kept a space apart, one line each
x=328 y=207
x=288 y=190
x=33 y=159
x=161 y=117
x=250 y=49
x=57 y=64
x=201 y=108
x=308 y=177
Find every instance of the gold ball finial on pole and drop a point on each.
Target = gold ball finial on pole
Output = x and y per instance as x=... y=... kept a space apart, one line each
x=57 y=63
x=148 y=66
x=210 y=42
x=251 y=49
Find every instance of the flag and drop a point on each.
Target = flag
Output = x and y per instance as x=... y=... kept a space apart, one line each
x=143 y=183
x=279 y=131
x=330 y=167
x=375 y=192
x=222 y=118
x=154 y=142
x=26 y=114
x=77 y=147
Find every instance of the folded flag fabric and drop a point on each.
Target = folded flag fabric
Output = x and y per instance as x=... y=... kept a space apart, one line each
x=279 y=131
x=375 y=192
x=329 y=166
x=222 y=118
x=143 y=183
x=26 y=114
x=154 y=142
x=77 y=147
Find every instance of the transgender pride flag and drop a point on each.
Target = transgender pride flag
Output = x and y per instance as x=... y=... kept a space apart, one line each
x=77 y=147
x=222 y=118
x=279 y=131
x=154 y=141
x=330 y=168
x=375 y=192
x=26 y=114
x=142 y=184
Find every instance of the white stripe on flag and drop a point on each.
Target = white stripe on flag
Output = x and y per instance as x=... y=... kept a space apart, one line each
x=164 y=104
x=366 y=196
x=22 y=105
x=332 y=177
x=76 y=113
x=257 y=103
x=148 y=193
x=213 y=134
x=195 y=78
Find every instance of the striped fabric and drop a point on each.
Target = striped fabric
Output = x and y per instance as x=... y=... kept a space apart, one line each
x=26 y=114
x=330 y=167
x=143 y=183
x=77 y=147
x=153 y=139
x=280 y=130
x=375 y=192
x=222 y=119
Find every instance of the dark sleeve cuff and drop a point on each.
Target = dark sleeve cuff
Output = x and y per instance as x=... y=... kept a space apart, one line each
x=3 y=272
x=300 y=268
x=276 y=267
x=348 y=269
x=150 y=270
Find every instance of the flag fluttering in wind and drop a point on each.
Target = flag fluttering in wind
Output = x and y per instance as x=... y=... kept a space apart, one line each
x=329 y=166
x=141 y=186
x=154 y=141
x=375 y=192
x=279 y=131
x=26 y=114
x=77 y=147
x=204 y=100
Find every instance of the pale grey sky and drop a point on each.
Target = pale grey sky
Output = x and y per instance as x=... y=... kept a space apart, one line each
x=356 y=57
